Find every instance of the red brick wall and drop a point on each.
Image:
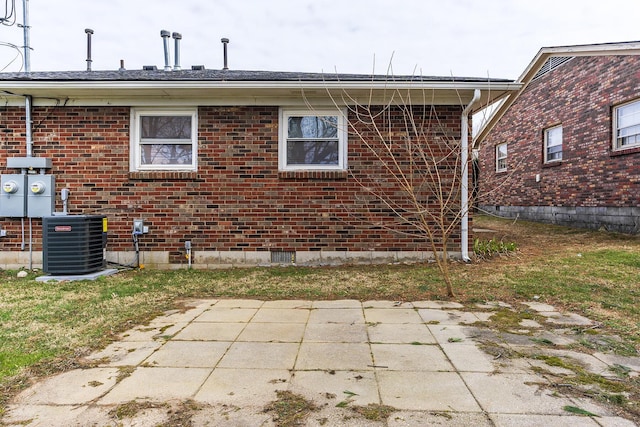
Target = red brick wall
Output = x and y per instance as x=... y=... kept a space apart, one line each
x=580 y=95
x=236 y=201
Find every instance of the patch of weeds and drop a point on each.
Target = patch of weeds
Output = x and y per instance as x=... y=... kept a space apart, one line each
x=181 y=416
x=543 y=341
x=582 y=377
x=486 y=249
x=348 y=400
x=132 y=408
x=507 y=320
x=374 y=411
x=455 y=339
x=95 y=383
x=620 y=370
x=498 y=351
x=124 y=372
x=608 y=344
x=578 y=411
x=289 y=409
x=417 y=343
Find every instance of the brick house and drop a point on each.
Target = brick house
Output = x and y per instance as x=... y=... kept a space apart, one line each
x=565 y=149
x=248 y=167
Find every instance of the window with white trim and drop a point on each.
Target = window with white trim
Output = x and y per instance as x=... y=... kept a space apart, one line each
x=312 y=140
x=501 y=157
x=626 y=126
x=553 y=144
x=164 y=139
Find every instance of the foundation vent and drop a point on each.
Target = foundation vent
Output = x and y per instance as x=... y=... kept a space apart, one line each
x=283 y=257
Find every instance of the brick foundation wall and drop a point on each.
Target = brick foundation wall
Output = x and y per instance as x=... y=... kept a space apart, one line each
x=580 y=95
x=237 y=201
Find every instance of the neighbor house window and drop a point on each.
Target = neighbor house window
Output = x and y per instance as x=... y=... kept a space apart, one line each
x=501 y=157
x=164 y=139
x=312 y=140
x=553 y=144
x=627 y=126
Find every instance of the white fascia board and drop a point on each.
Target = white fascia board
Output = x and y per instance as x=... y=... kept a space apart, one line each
x=46 y=93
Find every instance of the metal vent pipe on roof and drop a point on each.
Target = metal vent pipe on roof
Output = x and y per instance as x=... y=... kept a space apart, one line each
x=165 y=39
x=89 y=32
x=225 y=42
x=176 y=64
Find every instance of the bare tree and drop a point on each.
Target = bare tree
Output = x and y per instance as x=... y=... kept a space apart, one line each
x=416 y=175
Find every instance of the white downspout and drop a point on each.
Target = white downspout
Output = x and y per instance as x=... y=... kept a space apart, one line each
x=464 y=188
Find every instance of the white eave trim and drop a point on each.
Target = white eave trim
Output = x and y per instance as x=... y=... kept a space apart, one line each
x=256 y=85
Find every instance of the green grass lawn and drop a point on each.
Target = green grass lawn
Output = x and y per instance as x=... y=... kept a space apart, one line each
x=44 y=327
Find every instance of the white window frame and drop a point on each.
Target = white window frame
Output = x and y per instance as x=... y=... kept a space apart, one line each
x=547 y=133
x=503 y=158
x=616 y=138
x=136 y=143
x=285 y=113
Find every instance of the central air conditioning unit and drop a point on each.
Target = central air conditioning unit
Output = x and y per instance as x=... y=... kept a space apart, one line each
x=73 y=244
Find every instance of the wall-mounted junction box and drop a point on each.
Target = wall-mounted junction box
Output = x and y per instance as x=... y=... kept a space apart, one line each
x=139 y=227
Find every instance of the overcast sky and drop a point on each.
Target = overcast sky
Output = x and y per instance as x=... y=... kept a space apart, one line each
x=471 y=38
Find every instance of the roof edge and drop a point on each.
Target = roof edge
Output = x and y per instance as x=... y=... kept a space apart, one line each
x=598 y=49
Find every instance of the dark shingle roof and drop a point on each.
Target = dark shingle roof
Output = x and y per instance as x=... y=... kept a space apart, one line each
x=224 y=75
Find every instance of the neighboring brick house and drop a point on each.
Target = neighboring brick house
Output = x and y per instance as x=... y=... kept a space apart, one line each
x=566 y=148
x=220 y=159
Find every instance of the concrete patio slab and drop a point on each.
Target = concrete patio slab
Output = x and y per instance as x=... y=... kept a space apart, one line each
x=468 y=358
x=157 y=385
x=334 y=356
x=243 y=387
x=239 y=303
x=336 y=332
x=210 y=331
x=124 y=353
x=333 y=387
x=452 y=333
x=529 y=420
x=446 y=419
x=439 y=305
x=330 y=315
x=45 y=415
x=184 y=354
x=392 y=315
x=223 y=362
x=224 y=314
x=155 y=332
x=281 y=315
x=338 y=304
x=400 y=333
x=272 y=332
x=428 y=391
x=514 y=394
x=259 y=354
x=443 y=317
x=76 y=387
x=409 y=357
x=287 y=304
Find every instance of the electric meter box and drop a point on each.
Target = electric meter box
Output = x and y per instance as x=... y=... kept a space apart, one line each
x=41 y=195
x=13 y=195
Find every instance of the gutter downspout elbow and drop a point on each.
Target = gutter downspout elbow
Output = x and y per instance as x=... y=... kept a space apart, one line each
x=464 y=184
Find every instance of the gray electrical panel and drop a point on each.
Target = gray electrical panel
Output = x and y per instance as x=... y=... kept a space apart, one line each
x=13 y=195
x=41 y=195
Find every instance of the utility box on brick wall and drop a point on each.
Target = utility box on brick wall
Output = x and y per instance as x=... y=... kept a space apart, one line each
x=41 y=195
x=13 y=200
